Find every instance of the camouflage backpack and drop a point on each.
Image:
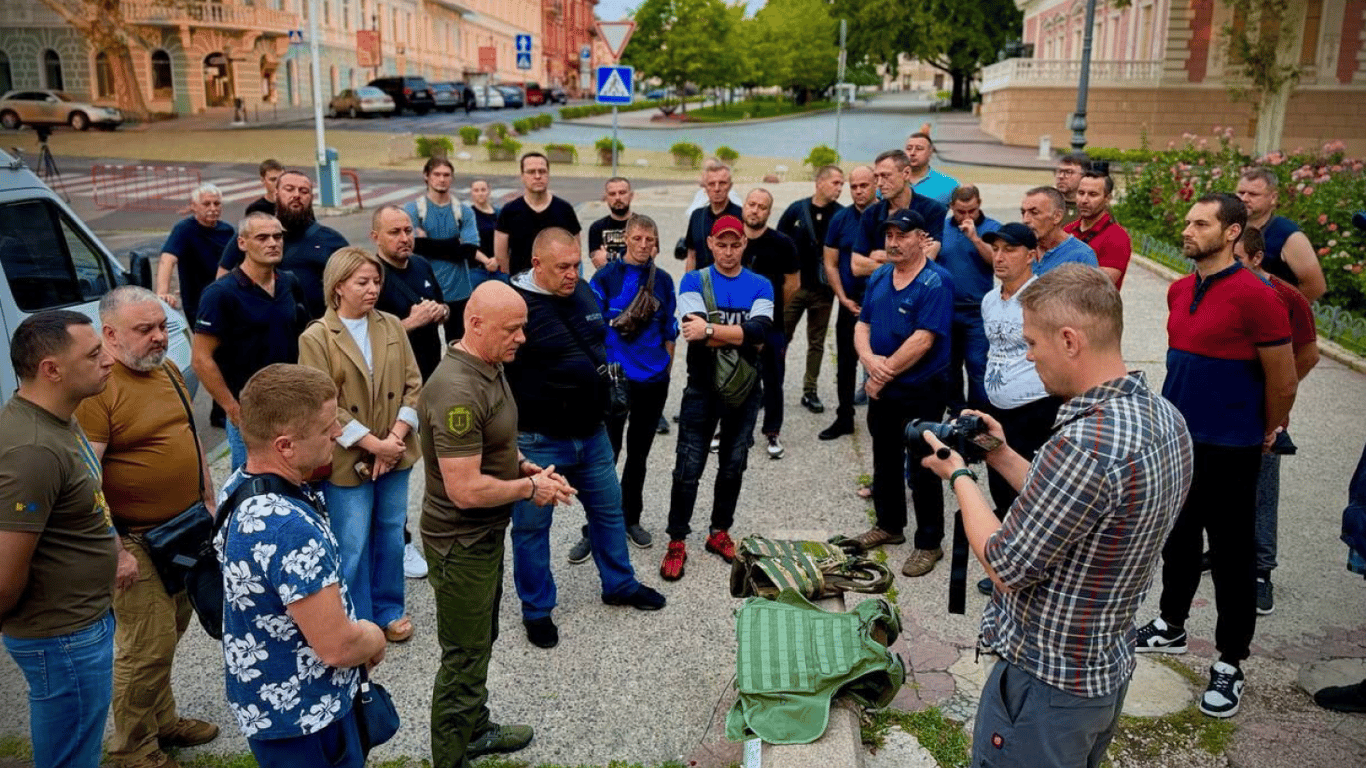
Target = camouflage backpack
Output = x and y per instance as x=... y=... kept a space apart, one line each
x=764 y=567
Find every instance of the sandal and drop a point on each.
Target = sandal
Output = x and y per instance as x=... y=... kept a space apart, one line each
x=399 y=630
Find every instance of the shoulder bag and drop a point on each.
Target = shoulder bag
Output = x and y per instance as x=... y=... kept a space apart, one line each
x=377 y=719
x=617 y=402
x=637 y=315
x=733 y=376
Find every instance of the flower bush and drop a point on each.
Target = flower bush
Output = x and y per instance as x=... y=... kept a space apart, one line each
x=1319 y=191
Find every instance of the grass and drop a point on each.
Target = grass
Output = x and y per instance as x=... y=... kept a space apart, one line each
x=753 y=108
x=943 y=738
x=1149 y=738
x=16 y=747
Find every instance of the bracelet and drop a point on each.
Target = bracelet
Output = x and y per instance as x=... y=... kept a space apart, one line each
x=957 y=473
x=532 y=495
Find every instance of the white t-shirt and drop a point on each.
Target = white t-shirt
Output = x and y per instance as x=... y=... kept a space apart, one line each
x=360 y=331
x=1010 y=380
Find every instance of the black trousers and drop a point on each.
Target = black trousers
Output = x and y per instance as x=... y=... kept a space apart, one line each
x=638 y=427
x=772 y=370
x=888 y=416
x=1223 y=506
x=1027 y=428
x=846 y=363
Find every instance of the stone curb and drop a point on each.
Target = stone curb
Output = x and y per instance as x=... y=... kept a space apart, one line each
x=606 y=120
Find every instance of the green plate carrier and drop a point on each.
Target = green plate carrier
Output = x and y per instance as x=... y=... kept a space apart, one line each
x=764 y=567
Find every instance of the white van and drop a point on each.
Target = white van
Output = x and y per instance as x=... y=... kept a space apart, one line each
x=50 y=260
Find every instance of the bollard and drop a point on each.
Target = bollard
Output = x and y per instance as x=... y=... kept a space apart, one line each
x=1046 y=147
x=329 y=180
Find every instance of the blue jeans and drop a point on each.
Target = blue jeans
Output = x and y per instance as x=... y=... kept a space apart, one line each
x=237 y=447
x=70 y=684
x=336 y=745
x=588 y=465
x=968 y=349
x=697 y=420
x=368 y=523
x=1268 y=511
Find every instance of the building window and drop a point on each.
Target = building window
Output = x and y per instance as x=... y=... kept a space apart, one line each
x=52 y=71
x=104 y=75
x=162 y=83
x=6 y=78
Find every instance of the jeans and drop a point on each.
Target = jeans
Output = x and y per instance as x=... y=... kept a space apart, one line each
x=587 y=464
x=237 y=447
x=1268 y=510
x=969 y=349
x=697 y=420
x=1027 y=428
x=772 y=369
x=1023 y=722
x=368 y=523
x=148 y=625
x=468 y=586
x=816 y=302
x=70 y=684
x=1221 y=505
x=888 y=415
x=846 y=363
x=647 y=405
x=336 y=745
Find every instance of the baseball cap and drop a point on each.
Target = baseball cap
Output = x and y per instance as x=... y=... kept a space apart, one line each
x=905 y=220
x=727 y=224
x=1013 y=233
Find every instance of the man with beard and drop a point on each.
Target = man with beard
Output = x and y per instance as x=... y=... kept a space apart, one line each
x=807 y=221
x=848 y=281
x=447 y=235
x=307 y=245
x=772 y=255
x=716 y=183
x=140 y=429
x=607 y=236
x=1231 y=373
x=411 y=290
x=968 y=260
x=523 y=219
x=248 y=319
x=1096 y=226
x=192 y=250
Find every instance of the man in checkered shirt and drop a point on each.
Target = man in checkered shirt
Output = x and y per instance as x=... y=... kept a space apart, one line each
x=1076 y=553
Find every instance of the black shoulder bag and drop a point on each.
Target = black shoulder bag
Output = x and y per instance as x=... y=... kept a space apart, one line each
x=640 y=312
x=733 y=376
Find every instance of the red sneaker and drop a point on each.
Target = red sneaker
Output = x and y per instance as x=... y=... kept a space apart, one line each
x=672 y=567
x=720 y=543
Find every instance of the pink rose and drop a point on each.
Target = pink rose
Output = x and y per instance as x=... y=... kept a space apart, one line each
x=1332 y=227
x=1308 y=191
x=1323 y=218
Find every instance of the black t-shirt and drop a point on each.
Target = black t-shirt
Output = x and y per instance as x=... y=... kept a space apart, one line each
x=486 y=222
x=254 y=329
x=772 y=255
x=608 y=233
x=404 y=288
x=699 y=227
x=522 y=224
x=260 y=205
x=306 y=256
x=196 y=248
x=810 y=240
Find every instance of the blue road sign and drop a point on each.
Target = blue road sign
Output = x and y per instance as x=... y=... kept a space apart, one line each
x=585 y=52
x=523 y=44
x=523 y=60
x=614 y=85
x=296 y=37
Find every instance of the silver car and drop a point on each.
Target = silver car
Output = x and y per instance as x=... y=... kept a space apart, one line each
x=48 y=107
x=365 y=100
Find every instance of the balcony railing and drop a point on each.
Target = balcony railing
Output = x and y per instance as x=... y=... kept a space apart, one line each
x=214 y=15
x=1041 y=73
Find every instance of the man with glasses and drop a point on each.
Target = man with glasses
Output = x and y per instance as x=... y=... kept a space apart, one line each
x=524 y=218
x=1067 y=179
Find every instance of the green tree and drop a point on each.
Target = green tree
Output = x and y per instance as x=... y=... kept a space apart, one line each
x=681 y=42
x=1264 y=39
x=801 y=41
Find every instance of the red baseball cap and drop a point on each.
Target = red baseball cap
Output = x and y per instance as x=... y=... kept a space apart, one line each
x=727 y=224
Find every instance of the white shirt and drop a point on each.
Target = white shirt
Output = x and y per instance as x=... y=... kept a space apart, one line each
x=1011 y=380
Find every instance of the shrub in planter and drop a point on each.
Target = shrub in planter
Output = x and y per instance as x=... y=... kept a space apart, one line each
x=522 y=126
x=727 y=155
x=604 y=148
x=821 y=155
x=434 y=146
x=469 y=135
x=496 y=132
x=686 y=154
x=562 y=153
x=506 y=149
x=544 y=120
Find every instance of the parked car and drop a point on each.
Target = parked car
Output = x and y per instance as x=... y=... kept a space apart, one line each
x=535 y=96
x=49 y=259
x=408 y=93
x=363 y=101
x=657 y=94
x=487 y=98
x=48 y=107
x=462 y=91
x=556 y=95
x=512 y=96
x=448 y=96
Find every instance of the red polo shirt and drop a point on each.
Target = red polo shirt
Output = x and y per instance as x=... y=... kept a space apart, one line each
x=1109 y=240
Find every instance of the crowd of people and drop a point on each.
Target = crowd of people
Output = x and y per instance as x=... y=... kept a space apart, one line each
x=328 y=363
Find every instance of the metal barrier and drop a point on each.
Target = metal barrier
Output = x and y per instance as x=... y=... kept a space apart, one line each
x=143 y=187
x=355 y=180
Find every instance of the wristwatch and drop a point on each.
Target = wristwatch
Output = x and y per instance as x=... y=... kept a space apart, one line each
x=711 y=330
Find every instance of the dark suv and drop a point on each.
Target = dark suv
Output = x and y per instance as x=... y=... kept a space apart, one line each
x=408 y=93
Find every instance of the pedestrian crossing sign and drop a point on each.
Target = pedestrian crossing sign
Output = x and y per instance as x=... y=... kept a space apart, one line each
x=614 y=85
x=523 y=60
x=296 y=37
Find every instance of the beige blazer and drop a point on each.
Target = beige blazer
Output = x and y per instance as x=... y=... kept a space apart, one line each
x=374 y=401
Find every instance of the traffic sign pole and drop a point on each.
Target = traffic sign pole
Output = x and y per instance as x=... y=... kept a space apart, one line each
x=614 y=140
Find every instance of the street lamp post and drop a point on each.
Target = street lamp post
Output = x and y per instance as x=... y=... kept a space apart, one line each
x=1079 y=117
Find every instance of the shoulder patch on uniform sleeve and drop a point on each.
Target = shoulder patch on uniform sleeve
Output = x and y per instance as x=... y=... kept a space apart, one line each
x=460 y=420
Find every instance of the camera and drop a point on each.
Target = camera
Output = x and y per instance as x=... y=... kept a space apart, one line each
x=967 y=435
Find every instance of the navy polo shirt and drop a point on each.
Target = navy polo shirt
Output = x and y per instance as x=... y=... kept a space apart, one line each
x=871 y=237
x=1214 y=377
x=196 y=249
x=843 y=231
x=254 y=329
x=305 y=257
x=894 y=315
x=972 y=275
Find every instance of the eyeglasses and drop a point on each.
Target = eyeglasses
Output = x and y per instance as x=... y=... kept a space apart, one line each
x=1067 y=172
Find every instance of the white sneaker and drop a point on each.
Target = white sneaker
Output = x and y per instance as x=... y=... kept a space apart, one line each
x=414 y=567
x=1225 y=691
x=775 y=447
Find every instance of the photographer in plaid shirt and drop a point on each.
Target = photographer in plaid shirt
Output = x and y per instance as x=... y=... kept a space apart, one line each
x=1076 y=553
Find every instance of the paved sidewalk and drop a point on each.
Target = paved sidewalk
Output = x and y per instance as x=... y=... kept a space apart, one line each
x=625 y=685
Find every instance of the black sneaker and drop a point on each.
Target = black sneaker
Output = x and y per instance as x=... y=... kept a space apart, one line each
x=580 y=552
x=1157 y=637
x=642 y=598
x=812 y=402
x=499 y=738
x=663 y=428
x=1343 y=698
x=839 y=429
x=1225 y=690
x=637 y=535
x=1266 y=597
x=542 y=632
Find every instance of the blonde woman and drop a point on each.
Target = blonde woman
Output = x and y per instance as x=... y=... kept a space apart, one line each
x=367 y=354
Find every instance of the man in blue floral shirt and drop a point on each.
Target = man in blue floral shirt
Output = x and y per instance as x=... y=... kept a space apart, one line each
x=291 y=642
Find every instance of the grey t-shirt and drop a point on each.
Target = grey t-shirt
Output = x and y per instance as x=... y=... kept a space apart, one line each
x=1011 y=380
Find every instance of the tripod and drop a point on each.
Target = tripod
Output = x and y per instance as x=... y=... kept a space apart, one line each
x=47 y=167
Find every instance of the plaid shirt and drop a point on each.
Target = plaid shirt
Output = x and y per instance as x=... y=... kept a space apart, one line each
x=1080 y=546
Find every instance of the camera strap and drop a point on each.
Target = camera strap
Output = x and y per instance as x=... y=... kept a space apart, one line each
x=958 y=567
